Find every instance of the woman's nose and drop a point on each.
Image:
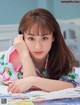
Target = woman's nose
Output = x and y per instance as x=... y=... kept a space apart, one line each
x=38 y=45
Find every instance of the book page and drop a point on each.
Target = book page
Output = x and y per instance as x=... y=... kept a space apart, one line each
x=57 y=95
x=3 y=89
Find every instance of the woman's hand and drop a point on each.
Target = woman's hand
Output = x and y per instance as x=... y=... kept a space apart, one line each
x=21 y=85
x=21 y=46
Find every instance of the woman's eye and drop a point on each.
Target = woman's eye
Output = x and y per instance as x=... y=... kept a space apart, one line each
x=30 y=38
x=45 y=38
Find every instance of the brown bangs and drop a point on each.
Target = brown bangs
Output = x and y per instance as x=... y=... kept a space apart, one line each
x=38 y=27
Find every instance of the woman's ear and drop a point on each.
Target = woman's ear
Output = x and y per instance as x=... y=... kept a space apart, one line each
x=53 y=38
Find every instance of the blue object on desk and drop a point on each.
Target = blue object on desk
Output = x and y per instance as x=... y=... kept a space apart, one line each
x=74 y=101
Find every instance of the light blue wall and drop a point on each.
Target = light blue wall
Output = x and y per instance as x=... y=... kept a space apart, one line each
x=11 y=11
x=66 y=10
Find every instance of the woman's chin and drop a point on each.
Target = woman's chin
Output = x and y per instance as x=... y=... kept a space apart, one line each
x=38 y=57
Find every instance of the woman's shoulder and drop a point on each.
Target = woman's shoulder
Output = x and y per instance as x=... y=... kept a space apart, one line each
x=11 y=56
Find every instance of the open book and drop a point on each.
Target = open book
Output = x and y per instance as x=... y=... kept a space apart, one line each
x=57 y=95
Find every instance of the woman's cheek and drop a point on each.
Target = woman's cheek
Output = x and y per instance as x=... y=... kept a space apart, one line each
x=30 y=47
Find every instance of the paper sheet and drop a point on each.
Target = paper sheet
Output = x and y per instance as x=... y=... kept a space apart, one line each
x=3 y=89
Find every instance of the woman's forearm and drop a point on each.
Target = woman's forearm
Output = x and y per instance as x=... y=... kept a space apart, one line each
x=28 y=67
x=50 y=85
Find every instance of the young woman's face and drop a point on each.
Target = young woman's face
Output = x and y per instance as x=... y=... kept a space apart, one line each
x=38 y=45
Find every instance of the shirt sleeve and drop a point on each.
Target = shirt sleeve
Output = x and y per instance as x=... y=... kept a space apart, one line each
x=72 y=77
x=7 y=72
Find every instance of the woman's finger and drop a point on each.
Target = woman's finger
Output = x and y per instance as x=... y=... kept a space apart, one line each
x=10 y=86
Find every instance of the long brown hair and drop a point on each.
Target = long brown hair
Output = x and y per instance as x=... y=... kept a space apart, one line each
x=60 y=59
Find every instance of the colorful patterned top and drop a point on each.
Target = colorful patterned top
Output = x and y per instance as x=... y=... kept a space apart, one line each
x=11 y=68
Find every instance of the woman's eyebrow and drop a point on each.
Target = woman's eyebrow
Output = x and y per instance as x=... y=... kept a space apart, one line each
x=40 y=35
x=45 y=34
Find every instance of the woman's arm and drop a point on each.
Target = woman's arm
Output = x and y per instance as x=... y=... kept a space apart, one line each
x=28 y=65
x=50 y=85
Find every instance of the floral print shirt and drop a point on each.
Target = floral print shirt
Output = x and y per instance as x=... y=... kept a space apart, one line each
x=72 y=77
x=11 y=68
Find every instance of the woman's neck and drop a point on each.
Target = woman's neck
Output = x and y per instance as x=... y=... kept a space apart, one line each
x=40 y=63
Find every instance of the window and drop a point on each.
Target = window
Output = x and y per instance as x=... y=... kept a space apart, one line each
x=64 y=34
x=72 y=34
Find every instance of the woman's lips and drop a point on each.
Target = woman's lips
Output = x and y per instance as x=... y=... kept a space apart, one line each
x=38 y=53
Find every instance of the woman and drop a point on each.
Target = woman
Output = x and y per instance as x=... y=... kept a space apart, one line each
x=46 y=60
